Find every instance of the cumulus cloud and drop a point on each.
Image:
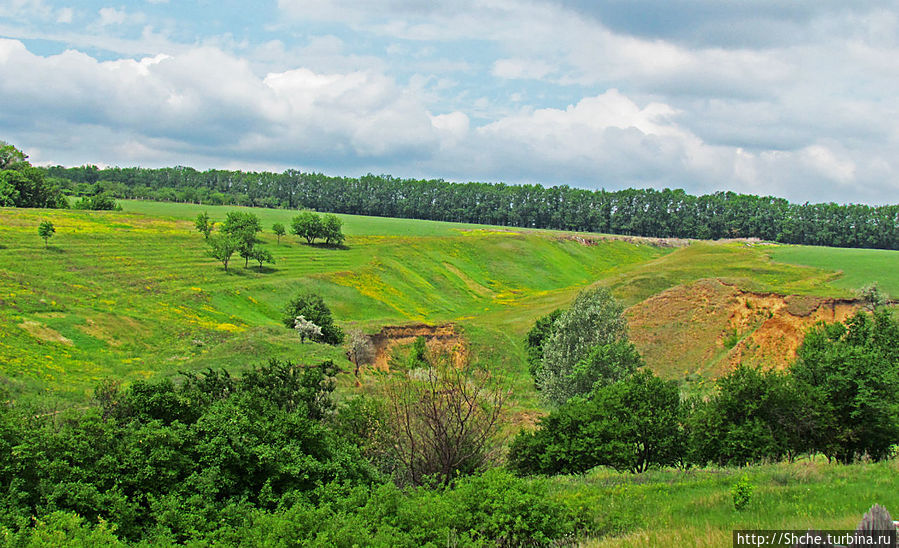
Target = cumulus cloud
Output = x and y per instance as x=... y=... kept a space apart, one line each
x=206 y=98
x=794 y=99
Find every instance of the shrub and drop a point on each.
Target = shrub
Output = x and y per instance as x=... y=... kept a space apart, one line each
x=742 y=493
x=313 y=308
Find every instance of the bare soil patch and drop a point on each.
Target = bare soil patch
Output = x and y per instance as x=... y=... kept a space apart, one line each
x=439 y=338
x=709 y=327
x=41 y=331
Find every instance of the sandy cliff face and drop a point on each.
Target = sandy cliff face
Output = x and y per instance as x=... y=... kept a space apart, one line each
x=439 y=338
x=708 y=327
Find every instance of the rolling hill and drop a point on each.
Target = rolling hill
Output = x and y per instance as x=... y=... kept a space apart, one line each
x=132 y=294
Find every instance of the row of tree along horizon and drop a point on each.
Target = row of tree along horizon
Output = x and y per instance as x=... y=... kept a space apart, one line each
x=634 y=212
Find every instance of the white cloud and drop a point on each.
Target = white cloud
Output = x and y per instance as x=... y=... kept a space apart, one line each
x=65 y=15
x=112 y=16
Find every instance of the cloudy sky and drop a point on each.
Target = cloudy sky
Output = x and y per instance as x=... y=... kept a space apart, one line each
x=795 y=98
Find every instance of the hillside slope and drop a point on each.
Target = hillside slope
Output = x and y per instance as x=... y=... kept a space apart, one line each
x=133 y=294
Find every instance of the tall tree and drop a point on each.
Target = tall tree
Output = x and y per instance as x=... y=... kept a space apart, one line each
x=588 y=346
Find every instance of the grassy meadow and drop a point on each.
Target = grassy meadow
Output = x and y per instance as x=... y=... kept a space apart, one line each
x=134 y=293
x=695 y=507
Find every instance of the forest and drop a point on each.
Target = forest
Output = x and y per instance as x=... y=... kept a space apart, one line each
x=635 y=212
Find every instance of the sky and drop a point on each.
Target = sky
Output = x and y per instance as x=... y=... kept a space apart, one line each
x=797 y=99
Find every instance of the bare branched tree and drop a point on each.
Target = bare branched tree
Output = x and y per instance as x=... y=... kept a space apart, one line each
x=359 y=348
x=444 y=419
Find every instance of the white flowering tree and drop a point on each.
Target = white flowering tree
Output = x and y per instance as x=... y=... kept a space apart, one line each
x=306 y=329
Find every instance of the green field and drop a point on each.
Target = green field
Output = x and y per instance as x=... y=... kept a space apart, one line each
x=857 y=266
x=134 y=293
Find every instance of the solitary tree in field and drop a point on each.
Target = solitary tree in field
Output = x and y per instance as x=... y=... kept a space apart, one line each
x=242 y=227
x=279 y=231
x=46 y=231
x=222 y=248
x=307 y=225
x=312 y=307
x=263 y=256
x=204 y=225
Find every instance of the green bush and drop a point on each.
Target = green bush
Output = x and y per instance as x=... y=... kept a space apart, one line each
x=742 y=493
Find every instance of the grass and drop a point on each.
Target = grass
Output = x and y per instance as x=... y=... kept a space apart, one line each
x=857 y=267
x=695 y=507
x=134 y=294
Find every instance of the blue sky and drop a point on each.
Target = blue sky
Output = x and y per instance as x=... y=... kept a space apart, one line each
x=797 y=99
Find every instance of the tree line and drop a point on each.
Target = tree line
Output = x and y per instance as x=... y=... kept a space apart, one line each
x=636 y=212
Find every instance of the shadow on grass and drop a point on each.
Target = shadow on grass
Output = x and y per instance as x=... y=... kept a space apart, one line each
x=327 y=246
x=54 y=249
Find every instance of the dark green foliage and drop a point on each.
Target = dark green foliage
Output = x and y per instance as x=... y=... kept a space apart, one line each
x=537 y=337
x=222 y=460
x=755 y=416
x=167 y=457
x=22 y=185
x=98 y=202
x=313 y=308
x=307 y=225
x=632 y=424
x=241 y=228
x=850 y=372
x=637 y=212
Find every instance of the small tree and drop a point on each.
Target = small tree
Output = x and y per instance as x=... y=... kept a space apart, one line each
x=263 y=256
x=242 y=228
x=332 y=230
x=359 y=348
x=307 y=225
x=313 y=308
x=872 y=296
x=306 y=329
x=222 y=248
x=204 y=225
x=278 y=229
x=46 y=230
x=443 y=419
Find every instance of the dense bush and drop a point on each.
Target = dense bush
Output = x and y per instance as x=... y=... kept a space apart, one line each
x=850 y=372
x=22 y=185
x=313 y=308
x=98 y=202
x=170 y=459
x=754 y=416
x=633 y=424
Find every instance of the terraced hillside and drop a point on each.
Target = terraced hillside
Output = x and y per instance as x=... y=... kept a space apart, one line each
x=134 y=293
